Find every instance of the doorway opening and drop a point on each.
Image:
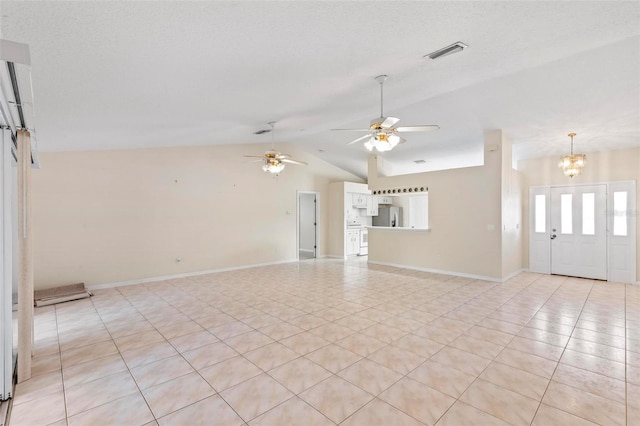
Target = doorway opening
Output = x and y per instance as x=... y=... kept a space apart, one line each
x=585 y=231
x=307 y=244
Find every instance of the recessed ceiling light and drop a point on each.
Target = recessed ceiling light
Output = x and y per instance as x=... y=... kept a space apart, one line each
x=419 y=161
x=454 y=48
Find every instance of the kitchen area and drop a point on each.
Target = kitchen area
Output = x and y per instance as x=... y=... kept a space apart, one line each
x=361 y=211
x=366 y=211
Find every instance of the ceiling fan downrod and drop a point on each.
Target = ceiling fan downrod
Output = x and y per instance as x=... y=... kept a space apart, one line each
x=381 y=79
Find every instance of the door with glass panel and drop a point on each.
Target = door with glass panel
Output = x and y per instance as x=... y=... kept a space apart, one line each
x=578 y=231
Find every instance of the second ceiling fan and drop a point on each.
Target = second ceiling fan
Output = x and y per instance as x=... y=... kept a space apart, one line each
x=381 y=134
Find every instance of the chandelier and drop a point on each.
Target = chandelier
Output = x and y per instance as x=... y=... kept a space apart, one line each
x=572 y=164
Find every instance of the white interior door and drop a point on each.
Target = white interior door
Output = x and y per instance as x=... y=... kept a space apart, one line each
x=307 y=225
x=579 y=231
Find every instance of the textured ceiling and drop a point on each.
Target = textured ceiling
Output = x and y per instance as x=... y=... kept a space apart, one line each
x=110 y=75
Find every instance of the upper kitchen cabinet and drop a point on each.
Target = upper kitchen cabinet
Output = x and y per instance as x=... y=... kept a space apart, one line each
x=372 y=205
x=359 y=200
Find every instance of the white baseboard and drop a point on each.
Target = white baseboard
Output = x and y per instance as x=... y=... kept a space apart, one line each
x=335 y=256
x=186 y=274
x=452 y=273
x=306 y=250
x=513 y=274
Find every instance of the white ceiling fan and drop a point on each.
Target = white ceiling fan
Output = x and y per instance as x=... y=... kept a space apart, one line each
x=382 y=135
x=273 y=160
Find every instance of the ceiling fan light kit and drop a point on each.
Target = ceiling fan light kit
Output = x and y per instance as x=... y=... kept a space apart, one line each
x=273 y=161
x=572 y=164
x=382 y=135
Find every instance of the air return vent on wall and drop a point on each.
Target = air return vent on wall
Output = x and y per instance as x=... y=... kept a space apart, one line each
x=454 y=48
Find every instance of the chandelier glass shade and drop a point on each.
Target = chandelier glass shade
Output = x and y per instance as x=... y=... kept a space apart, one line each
x=572 y=164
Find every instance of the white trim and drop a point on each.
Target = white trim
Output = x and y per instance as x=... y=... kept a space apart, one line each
x=514 y=273
x=610 y=187
x=306 y=250
x=186 y=275
x=559 y=185
x=335 y=256
x=396 y=228
x=452 y=273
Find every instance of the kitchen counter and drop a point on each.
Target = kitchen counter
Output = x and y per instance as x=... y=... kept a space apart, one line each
x=390 y=228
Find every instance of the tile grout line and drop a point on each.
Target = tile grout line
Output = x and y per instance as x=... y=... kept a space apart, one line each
x=182 y=356
x=64 y=391
x=444 y=346
x=493 y=360
x=352 y=288
x=561 y=355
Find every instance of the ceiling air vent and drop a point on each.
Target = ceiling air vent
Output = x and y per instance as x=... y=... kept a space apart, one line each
x=419 y=161
x=262 y=132
x=454 y=48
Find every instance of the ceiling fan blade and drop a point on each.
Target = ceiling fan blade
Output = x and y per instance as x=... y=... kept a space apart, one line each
x=253 y=156
x=287 y=160
x=361 y=138
x=388 y=122
x=423 y=128
x=350 y=130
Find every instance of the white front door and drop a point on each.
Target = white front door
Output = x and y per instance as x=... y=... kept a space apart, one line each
x=578 y=231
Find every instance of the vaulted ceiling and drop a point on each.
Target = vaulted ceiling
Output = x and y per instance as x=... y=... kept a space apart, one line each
x=113 y=75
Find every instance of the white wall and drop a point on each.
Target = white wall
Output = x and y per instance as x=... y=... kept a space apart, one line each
x=606 y=166
x=110 y=216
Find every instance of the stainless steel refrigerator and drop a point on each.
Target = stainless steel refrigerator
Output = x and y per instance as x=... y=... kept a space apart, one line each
x=388 y=216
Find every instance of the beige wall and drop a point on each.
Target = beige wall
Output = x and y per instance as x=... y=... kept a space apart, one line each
x=111 y=216
x=607 y=166
x=336 y=219
x=465 y=218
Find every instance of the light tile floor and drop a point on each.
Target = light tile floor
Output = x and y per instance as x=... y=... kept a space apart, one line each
x=326 y=342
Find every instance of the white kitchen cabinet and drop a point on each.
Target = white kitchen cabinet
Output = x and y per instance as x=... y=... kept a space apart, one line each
x=359 y=200
x=385 y=199
x=372 y=205
x=353 y=242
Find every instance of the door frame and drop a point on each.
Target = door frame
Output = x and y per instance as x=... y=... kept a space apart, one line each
x=598 y=241
x=317 y=223
x=543 y=263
